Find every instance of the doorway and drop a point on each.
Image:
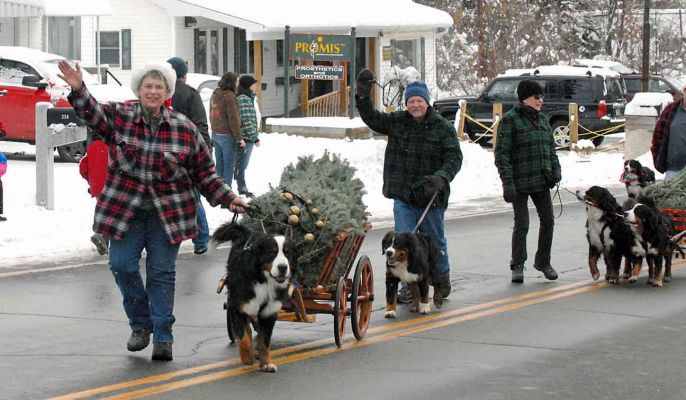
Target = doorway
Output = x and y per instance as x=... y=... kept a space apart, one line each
x=207 y=51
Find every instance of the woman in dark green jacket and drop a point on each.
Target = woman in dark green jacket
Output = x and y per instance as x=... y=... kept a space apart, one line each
x=528 y=167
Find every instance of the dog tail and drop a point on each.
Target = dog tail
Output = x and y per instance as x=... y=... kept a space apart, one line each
x=230 y=232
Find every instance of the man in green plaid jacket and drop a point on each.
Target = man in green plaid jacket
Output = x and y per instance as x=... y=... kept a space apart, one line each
x=528 y=167
x=422 y=157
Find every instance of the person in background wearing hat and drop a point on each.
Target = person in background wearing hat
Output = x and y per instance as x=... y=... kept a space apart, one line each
x=187 y=101
x=528 y=166
x=422 y=157
x=157 y=160
x=247 y=86
x=225 y=119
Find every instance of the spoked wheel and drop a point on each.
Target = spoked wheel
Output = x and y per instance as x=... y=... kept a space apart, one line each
x=362 y=297
x=561 y=133
x=228 y=320
x=339 y=312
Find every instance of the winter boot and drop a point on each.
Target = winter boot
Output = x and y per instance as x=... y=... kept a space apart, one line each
x=517 y=273
x=162 y=351
x=548 y=271
x=139 y=340
x=443 y=286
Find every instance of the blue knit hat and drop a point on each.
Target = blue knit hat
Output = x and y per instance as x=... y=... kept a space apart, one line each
x=179 y=66
x=417 y=88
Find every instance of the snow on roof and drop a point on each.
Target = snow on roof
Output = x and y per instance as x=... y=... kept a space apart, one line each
x=21 y=52
x=573 y=71
x=70 y=8
x=301 y=15
x=611 y=65
x=647 y=103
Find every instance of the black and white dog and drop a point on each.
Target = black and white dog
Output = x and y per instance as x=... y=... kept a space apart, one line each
x=411 y=258
x=655 y=240
x=258 y=280
x=608 y=234
x=636 y=177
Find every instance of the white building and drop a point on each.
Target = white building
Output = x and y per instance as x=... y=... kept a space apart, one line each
x=216 y=36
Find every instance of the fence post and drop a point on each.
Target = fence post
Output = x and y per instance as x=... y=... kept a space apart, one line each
x=573 y=124
x=497 y=116
x=460 y=122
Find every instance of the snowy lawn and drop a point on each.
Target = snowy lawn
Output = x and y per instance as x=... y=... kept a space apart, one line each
x=33 y=234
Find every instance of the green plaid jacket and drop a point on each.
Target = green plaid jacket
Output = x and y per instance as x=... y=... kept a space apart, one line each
x=246 y=106
x=414 y=150
x=524 y=153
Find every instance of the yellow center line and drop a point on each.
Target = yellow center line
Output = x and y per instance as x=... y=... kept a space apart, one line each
x=351 y=346
x=313 y=344
x=523 y=298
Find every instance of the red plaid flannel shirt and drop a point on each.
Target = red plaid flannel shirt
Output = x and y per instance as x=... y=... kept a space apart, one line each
x=165 y=166
x=660 y=140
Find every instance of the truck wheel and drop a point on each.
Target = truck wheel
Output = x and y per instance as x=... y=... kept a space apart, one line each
x=72 y=152
x=598 y=141
x=561 y=133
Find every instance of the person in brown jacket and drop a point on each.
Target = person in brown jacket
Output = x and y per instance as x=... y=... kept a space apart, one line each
x=225 y=119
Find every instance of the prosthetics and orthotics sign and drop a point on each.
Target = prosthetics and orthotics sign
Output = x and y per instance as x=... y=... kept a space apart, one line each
x=320 y=47
x=321 y=72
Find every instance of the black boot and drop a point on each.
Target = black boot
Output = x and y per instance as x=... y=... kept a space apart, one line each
x=517 y=273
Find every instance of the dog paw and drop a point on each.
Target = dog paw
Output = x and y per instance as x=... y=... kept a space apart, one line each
x=268 y=368
x=613 y=281
x=657 y=284
x=414 y=308
x=424 y=308
x=595 y=276
x=389 y=314
x=633 y=279
x=625 y=277
x=667 y=278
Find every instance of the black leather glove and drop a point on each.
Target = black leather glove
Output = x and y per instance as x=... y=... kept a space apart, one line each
x=509 y=192
x=433 y=184
x=363 y=84
x=557 y=175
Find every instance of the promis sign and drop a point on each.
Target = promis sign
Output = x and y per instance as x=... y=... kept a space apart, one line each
x=320 y=47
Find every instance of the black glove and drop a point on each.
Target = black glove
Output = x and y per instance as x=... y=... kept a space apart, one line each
x=433 y=184
x=552 y=178
x=509 y=192
x=557 y=175
x=363 y=85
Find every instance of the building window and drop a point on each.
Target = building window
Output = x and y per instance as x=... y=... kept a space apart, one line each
x=64 y=36
x=109 y=48
x=126 y=49
x=279 y=53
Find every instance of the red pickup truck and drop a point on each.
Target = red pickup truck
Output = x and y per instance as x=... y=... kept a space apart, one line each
x=28 y=76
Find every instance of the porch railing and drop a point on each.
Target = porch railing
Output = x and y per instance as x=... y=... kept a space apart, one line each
x=328 y=105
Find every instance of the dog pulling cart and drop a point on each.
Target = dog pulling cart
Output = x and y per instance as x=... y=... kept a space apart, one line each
x=334 y=292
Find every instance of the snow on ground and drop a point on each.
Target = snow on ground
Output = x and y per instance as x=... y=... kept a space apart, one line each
x=33 y=234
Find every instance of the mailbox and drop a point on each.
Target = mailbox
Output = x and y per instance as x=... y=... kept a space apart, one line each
x=63 y=115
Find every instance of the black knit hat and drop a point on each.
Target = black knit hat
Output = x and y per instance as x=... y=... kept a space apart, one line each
x=526 y=89
x=246 y=81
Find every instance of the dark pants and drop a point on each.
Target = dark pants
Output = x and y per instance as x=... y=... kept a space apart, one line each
x=1 y=208
x=544 y=208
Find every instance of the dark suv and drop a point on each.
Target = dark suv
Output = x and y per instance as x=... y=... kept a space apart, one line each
x=598 y=92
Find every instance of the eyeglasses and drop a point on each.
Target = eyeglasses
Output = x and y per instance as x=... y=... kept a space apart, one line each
x=538 y=96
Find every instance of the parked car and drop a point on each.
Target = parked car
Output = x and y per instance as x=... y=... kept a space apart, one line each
x=29 y=76
x=656 y=84
x=598 y=92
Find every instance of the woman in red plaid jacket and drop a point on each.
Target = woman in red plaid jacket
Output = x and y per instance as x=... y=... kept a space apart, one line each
x=157 y=157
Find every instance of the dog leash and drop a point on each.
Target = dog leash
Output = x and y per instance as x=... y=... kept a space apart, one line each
x=426 y=210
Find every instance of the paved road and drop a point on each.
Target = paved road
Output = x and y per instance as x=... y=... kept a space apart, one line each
x=63 y=332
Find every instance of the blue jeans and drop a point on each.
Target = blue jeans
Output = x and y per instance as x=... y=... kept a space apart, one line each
x=203 y=237
x=151 y=305
x=406 y=217
x=225 y=155
x=668 y=175
x=243 y=160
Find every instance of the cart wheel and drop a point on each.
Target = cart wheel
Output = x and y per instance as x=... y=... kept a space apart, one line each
x=339 y=312
x=362 y=297
x=228 y=320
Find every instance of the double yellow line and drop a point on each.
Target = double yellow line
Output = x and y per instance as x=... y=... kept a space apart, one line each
x=291 y=354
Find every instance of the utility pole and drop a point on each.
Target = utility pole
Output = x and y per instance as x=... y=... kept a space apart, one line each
x=646 y=47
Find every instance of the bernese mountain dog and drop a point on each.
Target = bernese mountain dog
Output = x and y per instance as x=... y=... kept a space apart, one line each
x=636 y=177
x=608 y=234
x=258 y=282
x=655 y=240
x=411 y=258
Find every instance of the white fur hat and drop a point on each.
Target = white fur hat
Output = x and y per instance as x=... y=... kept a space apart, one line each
x=164 y=67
